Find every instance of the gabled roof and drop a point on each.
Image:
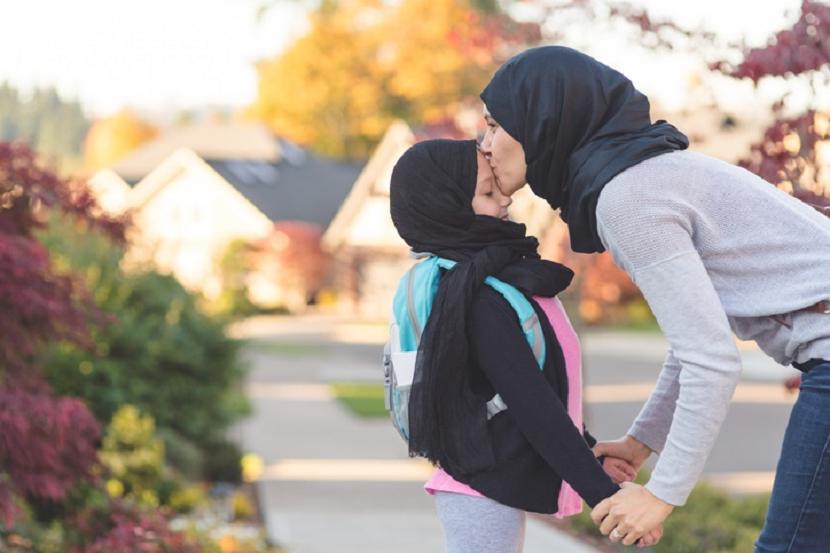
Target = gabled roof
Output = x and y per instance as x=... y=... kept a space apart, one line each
x=243 y=141
x=182 y=161
x=280 y=179
x=311 y=189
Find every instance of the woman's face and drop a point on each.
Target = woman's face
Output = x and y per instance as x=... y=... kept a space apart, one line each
x=488 y=199
x=506 y=156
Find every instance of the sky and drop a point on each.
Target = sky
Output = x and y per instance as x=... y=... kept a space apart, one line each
x=150 y=54
x=170 y=55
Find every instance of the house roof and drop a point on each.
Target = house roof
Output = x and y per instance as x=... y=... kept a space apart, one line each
x=311 y=189
x=278 y=177
x=209 y=140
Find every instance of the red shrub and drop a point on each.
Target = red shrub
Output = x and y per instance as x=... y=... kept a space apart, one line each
x=47 y=444
x=124 y=529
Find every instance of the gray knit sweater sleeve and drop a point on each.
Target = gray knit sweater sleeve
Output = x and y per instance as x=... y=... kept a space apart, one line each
x=654 y=421
x=652 y=242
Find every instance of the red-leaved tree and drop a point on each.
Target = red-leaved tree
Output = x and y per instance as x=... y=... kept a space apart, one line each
x=794 y=152
x=47 y=443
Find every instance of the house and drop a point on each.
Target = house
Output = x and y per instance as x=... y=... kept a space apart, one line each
x=194 y=191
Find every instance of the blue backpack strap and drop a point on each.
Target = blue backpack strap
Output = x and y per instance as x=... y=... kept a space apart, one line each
x=413 y=301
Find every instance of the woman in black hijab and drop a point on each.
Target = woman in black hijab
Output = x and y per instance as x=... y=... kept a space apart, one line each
x=444 y=201
x=580 y=123
x=714 y=250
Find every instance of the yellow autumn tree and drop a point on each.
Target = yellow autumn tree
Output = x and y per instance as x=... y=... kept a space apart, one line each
x=364 y=63
x=440 y=51
x=325 y=89
x=111 y=138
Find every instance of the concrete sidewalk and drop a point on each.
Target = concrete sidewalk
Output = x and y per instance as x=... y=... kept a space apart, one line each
x=333 y=483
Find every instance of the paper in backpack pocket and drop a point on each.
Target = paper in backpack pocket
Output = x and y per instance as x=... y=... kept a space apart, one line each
x=403 y=363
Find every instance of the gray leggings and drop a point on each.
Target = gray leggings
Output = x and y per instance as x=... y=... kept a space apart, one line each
x=479 y=525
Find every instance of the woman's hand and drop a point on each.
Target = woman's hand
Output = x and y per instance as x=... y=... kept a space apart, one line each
x=619 y=470
x=630 y=514
x=626 y=448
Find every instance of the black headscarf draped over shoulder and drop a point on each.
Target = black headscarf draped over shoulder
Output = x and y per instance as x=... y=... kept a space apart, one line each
x=432 y=189
x=580 y=123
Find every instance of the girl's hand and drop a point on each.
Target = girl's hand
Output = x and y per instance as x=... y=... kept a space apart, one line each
x=651 y=538
x=627 y=447
x=619 y=470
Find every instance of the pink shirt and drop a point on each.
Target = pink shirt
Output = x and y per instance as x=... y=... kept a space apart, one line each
x=570 y=503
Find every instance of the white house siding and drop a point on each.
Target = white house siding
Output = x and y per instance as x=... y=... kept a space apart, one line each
x=379 y=281
x=110 y=190
x=186 y=226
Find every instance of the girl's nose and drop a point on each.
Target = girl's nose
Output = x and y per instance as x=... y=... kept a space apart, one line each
x=484 y=146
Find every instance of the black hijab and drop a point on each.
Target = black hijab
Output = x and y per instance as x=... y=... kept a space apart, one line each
x=431 y=191
x=580 y=123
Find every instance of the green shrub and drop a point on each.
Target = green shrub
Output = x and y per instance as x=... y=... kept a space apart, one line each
x=182 y=454
x=714 y=522
x=158 y=351
x=243 y=506
x=224 y=463
x=133 y=456
x=188 y=498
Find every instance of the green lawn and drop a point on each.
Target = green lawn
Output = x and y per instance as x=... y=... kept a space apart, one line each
x=364 y=400
x=285 y=349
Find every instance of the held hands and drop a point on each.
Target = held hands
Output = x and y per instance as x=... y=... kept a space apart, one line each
x=626 y=448
x=631 y=514
x=622 y=471
x=633 y=507
x=619 y=470
x=622 y=458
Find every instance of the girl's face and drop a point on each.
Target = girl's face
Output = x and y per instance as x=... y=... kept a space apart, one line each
x=506 y=156
x=488 y=198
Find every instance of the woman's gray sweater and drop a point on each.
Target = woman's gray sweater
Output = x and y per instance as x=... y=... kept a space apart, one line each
x=715 y=250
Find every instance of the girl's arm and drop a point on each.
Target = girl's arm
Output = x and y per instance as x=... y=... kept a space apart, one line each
x=589 y=438
x=502 y=352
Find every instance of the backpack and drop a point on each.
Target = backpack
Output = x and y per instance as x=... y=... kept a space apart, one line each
x=410 y=311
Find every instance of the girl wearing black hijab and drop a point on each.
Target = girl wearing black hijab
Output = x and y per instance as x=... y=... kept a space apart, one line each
x=713 y=248
x=444 y=201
